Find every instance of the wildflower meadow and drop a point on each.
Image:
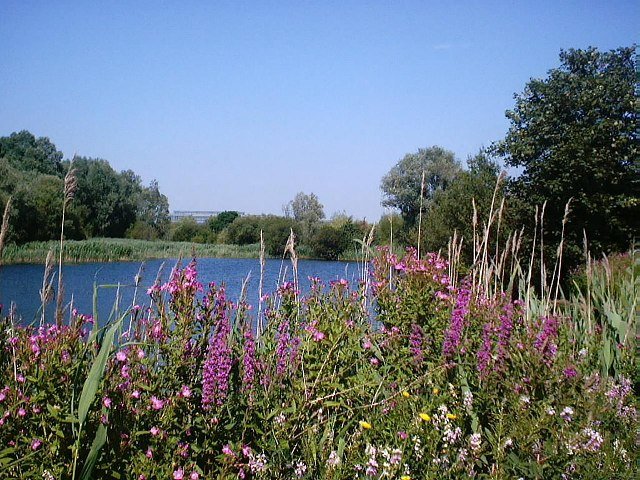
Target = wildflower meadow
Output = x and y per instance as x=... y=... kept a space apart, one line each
x=420 y=370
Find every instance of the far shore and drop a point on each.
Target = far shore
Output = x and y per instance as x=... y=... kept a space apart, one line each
x=123 y=250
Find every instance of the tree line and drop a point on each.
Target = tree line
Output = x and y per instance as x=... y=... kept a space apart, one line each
x=573 y=138
x=106 y=204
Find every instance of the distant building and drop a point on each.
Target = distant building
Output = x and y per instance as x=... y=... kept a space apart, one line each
x=200 y=216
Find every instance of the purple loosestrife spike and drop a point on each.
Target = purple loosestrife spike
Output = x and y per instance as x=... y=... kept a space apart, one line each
x=484 y=354
x=453 y=336
x=217 y=366
x=544 y=342
x=416 y=344
x=249 y=362
x=504 y=335
x=283 y=348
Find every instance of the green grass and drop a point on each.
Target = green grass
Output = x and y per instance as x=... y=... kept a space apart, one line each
x=119 y=249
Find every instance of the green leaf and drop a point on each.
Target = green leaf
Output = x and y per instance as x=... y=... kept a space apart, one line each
x=94 y=378
x=92 y=457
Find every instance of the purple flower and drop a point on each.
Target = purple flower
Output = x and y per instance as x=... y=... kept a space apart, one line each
x=185 y=392
x=570 y=372
x=217 y=366
x=156 y=403
x=544 y=341
x=484 y=354
x=283 y=348
x=106 y=401
x=416 y=340
x=453 y=336
x=249 y=362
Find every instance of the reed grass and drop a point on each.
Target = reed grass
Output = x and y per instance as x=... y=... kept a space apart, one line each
x=118 y=249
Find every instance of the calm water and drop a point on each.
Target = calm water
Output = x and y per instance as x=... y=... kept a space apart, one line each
x=21 y=284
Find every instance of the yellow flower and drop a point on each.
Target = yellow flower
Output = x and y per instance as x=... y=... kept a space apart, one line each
x=424 y=417
x=365 y=425
x=451 y=416
x=436 y=391
x=405 y=477
x=406 y=394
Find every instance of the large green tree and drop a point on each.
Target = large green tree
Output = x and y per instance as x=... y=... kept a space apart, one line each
x=574 y=136
x=402 y=186
x=452 y=209
x=25 y=152
x=106 y=201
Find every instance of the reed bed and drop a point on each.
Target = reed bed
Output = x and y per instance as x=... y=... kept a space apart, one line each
x=116 y=249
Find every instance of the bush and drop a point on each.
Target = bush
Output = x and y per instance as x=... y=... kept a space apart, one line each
x=447 y=381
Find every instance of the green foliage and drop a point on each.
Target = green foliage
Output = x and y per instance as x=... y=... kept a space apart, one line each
x=152 y=214
x=574 y=135
x=222 y=220
x=186 y=230
x=27 y=153
x=325 y=391
x=401 y=187
x=106 y=203
x=118 y=249
x=307 y=211
x=452 y=208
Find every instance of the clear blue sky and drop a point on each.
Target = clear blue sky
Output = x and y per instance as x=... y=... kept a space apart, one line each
x=239 y=105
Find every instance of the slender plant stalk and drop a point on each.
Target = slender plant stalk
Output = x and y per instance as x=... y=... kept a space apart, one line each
x=259 y=326
x=4 y=230
x=70 y=187
x=420 y=214
x=46 y=294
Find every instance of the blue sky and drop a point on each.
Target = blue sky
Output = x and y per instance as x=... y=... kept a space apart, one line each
x=239 y=105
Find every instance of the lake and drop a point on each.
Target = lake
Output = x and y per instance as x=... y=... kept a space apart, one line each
x=21 y=284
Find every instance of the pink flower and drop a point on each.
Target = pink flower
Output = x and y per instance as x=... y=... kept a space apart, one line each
x=135 y=394
x=106 y=401
x=156 y=403
x=21 y=412
x=154 y=431
x=185 y=392
x=35 y=445
x=121 y=356
x=149 y=453
x=178 y=474
x=227 y=450
x=194 y=475
x=318 y=336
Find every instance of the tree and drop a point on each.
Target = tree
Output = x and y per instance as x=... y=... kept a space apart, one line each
x=27 y=153
x=307 y=210
x=106 y=201
x=222 y=220
x=401 y=187
x=452 y=209
x=152 y=216
x=574 y=135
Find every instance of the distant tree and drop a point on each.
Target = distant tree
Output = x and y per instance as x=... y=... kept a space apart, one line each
x=401 y=187
x=27 y=153
x=276 y=231
x=221 y=221
x=244 y=230
x=389 y=228
x=574 y=135
x=185 y=230
x=152 y=215
x=106 y=201
x=452 y=209
x=327 y=243
x=308 y=211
